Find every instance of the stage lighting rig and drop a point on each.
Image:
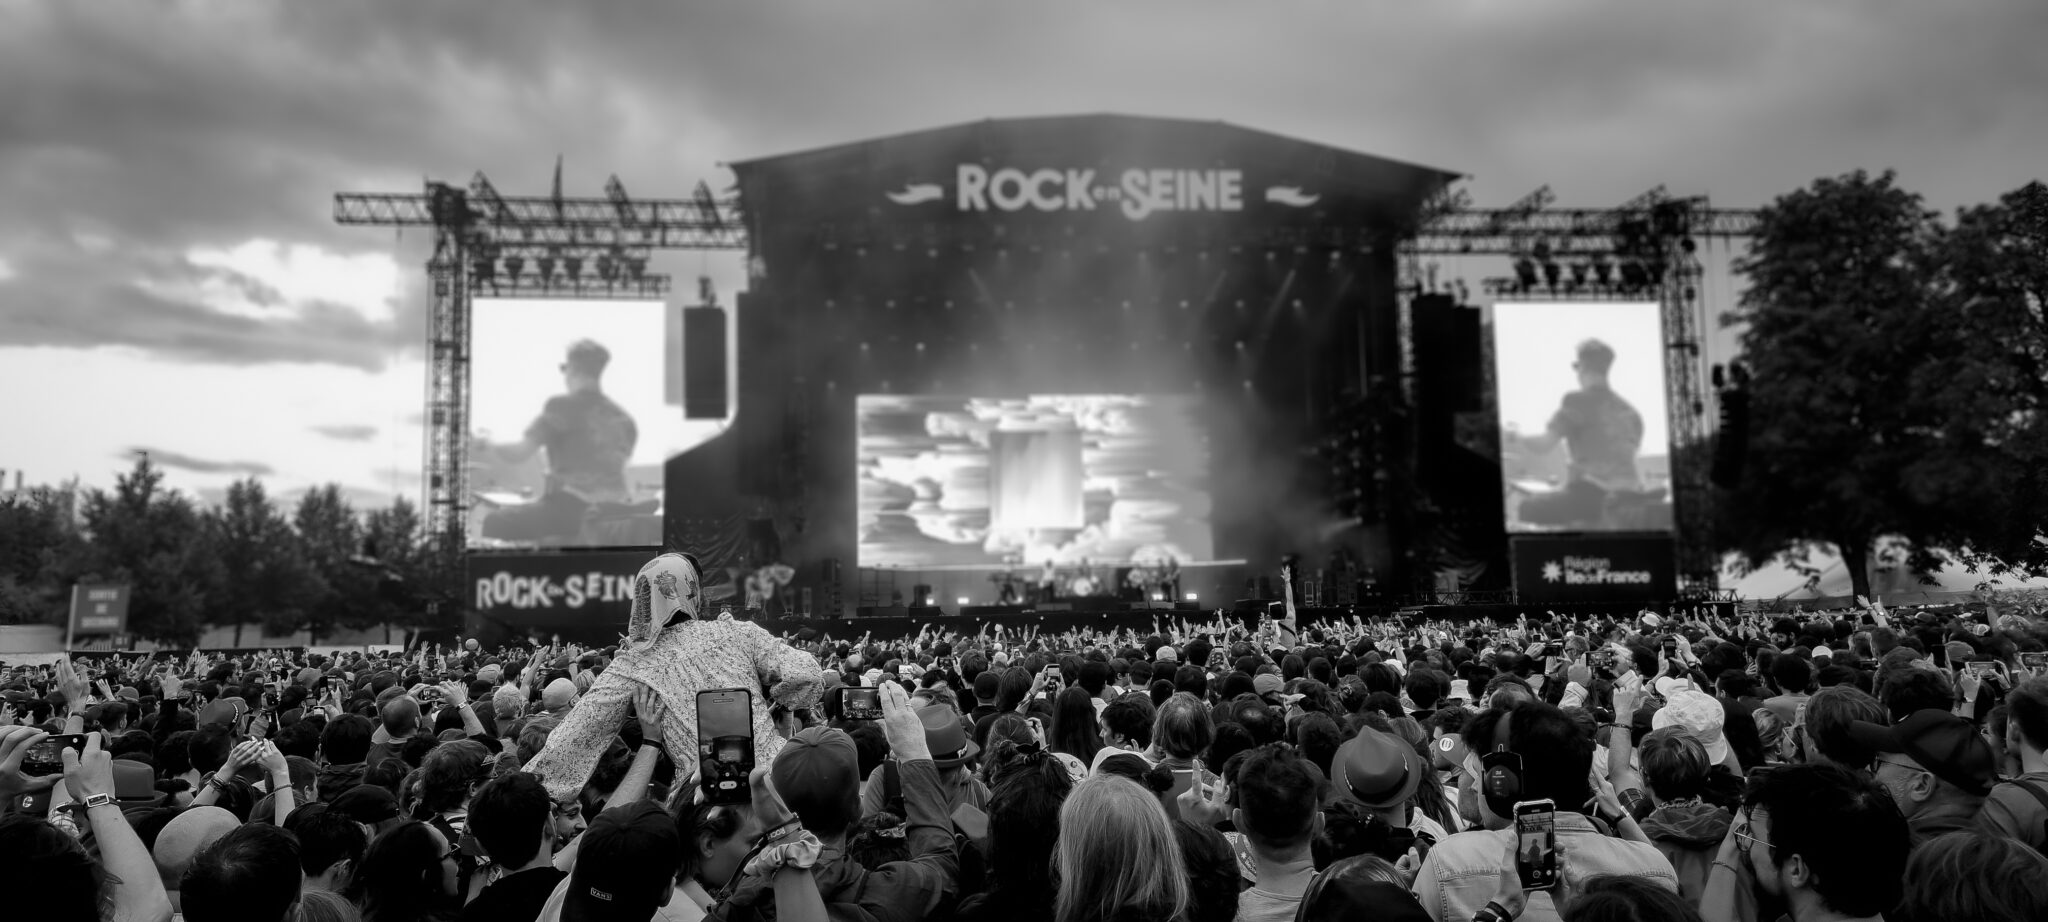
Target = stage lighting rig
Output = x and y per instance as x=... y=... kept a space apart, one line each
x=487 y=244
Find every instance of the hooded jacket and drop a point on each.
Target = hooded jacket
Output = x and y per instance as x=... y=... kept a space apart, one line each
x=1688 y=835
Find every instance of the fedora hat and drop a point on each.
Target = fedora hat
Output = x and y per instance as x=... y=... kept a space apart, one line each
x=1376 y=770
x=945 y=736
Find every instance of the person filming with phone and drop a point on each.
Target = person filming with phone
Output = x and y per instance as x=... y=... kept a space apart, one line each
x=1536 y=784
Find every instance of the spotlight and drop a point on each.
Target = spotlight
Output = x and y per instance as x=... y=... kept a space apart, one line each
x=1158 y=597
x=962 y=600
x=1191 y=596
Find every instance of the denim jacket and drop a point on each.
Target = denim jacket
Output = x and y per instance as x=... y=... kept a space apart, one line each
x=1463 y=871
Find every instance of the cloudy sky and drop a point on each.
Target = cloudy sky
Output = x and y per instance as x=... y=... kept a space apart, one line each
x=171 y=278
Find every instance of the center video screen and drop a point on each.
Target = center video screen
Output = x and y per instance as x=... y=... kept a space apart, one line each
x=574 y=407
x=1585 y=440
x=1026 y=481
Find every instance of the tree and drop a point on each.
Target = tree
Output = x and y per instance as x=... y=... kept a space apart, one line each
x=156 y=541
x=1847 y=356
x=269 y=580
x=37 y=537
x=330 y=534
x=1997 y=283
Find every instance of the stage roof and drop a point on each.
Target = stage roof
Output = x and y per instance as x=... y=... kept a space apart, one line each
x=1078 y=175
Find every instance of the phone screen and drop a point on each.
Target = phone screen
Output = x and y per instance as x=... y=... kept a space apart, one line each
x=861 y=704
x=1536 y=844
x=2034 y=660
x=725 y=744
x=47 y=757
x=1981 y=668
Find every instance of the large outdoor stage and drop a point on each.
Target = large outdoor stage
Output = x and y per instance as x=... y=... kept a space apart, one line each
x=1081 y=363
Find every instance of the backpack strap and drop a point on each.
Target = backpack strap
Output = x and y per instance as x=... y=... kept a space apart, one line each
x=2038 y=793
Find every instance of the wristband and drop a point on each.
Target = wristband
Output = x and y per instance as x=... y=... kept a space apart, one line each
x=781 y=832
x=800 y=852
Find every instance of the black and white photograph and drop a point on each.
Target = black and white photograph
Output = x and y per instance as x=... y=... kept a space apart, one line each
x=917 y=461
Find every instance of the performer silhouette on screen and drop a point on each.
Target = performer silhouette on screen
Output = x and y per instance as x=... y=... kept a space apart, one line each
x=1602 y=432
x=588 y=440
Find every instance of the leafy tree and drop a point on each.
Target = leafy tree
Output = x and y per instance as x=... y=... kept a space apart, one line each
x=269 y=579
x=1997 y=437
x=1847 y=358
x=329 y=533
x=156 y=541
x=37 y=536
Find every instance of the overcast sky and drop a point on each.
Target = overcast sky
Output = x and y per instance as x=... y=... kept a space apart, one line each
x=171 y=277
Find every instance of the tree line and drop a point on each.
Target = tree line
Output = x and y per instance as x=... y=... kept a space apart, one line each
x=320 y=567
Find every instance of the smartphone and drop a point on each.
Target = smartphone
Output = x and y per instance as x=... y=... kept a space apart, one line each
x=1052 y=674
x=1981 y=668
x=725 y=744
x=1183 y=782
x=1536 y=844
x=1553 y=649
x=2034 y=660
x=46 y=758
x=860 y=703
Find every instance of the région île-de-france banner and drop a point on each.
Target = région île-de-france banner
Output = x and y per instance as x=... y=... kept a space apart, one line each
x=1138 y=193
x=592 y=587
x=1567 y=569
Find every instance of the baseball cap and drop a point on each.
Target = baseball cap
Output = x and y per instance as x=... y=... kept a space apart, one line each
x=559 y=693
x=1166 y=655
x=1940 y=742
x=366 y=803
x=986 y=685
x=224 y=711
x=185 y=836
x=1701 y=715
x=1449 y=752
x=818 y=774
x=1376 y=770
x=624 y=863
x=1267 y=684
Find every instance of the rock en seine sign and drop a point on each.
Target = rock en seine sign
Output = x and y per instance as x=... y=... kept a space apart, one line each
x=1138 y=193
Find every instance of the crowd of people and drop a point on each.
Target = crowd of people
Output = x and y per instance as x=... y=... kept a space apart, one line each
x=1853 y=764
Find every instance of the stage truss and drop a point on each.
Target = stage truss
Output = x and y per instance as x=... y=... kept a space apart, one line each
x=551 y=246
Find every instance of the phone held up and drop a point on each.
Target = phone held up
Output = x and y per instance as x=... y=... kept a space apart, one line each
x=860 y=703
x=47 y=757
x=725 y=744
x=1536 y=844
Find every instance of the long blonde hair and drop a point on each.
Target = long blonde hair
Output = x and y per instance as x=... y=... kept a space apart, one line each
x=1117 y=851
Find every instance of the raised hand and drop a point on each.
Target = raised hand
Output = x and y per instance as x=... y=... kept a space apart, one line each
x=648 y=707
x=88 y=774
x=15 y=742
x=1202 y=808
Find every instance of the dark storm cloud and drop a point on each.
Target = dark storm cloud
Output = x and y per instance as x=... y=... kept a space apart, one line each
x=347 y=433
x=185 y=462
x=168 y=127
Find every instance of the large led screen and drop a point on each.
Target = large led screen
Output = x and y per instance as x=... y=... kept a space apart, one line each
x=574 y=405
x=1584 y=437
x=990 y=481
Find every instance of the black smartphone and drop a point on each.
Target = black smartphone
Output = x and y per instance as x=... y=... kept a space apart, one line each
x=2034 y=660
x=47 y=757
x=860 y=703
x=1536 y=844
x=725 y=744
x=1981 y=668
x=1553 y=649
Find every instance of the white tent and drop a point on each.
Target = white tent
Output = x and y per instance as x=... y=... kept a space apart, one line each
x=1822 y=575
